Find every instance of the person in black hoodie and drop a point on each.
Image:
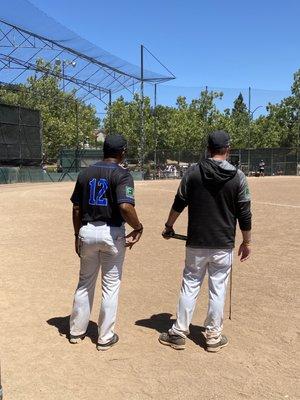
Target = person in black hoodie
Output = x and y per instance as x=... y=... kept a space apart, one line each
x=217 y=196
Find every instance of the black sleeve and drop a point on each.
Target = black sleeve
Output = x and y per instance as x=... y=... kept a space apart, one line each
x=77 y=193
x=125 y=189
x=180 y=201
x=244 y=215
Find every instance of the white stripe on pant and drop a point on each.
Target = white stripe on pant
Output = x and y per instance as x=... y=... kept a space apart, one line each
x=217 y=262
x=101 y=245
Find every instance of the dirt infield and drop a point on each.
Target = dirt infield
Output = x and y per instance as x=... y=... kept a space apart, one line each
x=39 y=271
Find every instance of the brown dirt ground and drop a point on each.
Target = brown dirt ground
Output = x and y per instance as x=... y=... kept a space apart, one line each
x=39 y=273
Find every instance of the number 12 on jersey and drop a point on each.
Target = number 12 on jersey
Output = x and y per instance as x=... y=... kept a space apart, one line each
x=96 y=198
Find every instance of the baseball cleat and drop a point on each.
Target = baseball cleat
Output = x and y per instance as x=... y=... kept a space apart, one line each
x=175 y=341
x=76 y=339
x=215 y=347
x=107 y=346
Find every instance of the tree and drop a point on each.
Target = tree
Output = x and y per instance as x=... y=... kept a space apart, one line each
x=186 y=125
x=240 y=124
x=285 y=116
x=59 y=110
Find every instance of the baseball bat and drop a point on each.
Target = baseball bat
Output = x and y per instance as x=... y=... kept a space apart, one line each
x=1 y=390
x=179 y=237
x=176 y=236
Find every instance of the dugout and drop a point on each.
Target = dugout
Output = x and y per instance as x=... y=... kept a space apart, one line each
x=74 y=160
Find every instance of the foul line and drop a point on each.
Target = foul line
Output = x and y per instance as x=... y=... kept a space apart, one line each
x=255 y=202
x=276 y=204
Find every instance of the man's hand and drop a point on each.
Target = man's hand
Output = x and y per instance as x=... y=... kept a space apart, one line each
x=77 y=245
x=132 y=238
x=244 y=252
x=168 y=232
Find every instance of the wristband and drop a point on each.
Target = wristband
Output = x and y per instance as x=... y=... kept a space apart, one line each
x=248 y=244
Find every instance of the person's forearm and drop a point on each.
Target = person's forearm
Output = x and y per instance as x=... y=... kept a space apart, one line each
x=173 y=215
x=244 y=215
x=76 y=219
x=246 y=237
x=130 y=216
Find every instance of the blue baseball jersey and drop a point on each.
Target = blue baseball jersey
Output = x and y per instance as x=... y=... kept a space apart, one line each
x=99 y=191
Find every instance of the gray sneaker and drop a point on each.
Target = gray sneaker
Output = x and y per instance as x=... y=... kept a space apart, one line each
x=175 y=341
x=107 y=346
x=214 y=348
x=76 y=339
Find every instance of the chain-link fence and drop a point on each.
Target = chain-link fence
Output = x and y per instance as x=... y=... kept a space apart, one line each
x=172 y=164
x=278 y=161
x=169 y=164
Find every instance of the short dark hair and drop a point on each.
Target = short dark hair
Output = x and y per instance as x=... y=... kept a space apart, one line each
x=220 y=152
x=111 y=153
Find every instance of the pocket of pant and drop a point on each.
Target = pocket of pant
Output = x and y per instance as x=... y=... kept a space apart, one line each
x=80 y=246
x=82 y=232
x=87 y=235
x=108 y=245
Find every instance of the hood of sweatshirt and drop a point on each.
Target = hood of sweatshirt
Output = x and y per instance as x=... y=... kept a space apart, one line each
x=215 y=172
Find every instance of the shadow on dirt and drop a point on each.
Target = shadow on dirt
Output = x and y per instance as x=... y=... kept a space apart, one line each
x=163 y=322
x=62 y=325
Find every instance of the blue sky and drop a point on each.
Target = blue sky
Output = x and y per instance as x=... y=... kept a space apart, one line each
x=218 y=43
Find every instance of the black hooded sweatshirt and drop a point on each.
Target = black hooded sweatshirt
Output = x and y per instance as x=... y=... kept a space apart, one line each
x=217 y=195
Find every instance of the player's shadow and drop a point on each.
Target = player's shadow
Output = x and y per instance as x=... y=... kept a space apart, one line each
x=63 y=326
x=163 y=322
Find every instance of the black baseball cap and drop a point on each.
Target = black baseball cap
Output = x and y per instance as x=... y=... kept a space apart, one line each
x=218 y=140
x=114 y=144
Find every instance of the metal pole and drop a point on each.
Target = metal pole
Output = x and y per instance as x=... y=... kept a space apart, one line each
x=77 y=137
x=142 y=110
x=272 y=161
x=249 y=100
x=155 y=125
x=63 y=71
x=110 y=115
x=20 y=136
x=249 y=126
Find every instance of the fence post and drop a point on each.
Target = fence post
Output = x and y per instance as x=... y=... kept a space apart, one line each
x=272 y=161
x=248 y=162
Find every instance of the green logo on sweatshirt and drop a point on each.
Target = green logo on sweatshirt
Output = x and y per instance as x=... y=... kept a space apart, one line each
x=130 y=192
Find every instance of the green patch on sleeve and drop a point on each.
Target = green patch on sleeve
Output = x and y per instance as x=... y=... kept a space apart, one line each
x=247 y=192
x=130 y=192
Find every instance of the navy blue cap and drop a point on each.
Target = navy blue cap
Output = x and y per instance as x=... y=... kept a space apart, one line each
x=114 y=144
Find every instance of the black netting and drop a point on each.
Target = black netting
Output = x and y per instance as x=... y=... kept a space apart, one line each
x=20 y=136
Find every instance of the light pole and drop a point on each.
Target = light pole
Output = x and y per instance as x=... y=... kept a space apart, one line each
x=250 y=113
x=250 y=119
x=64 y=64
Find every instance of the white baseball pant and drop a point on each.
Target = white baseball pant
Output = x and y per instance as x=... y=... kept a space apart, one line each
x=101 y=246
x=217 y=262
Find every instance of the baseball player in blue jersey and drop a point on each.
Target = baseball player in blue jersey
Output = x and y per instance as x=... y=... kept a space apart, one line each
x=103 y=200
